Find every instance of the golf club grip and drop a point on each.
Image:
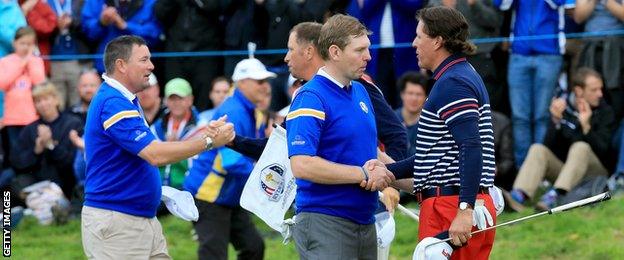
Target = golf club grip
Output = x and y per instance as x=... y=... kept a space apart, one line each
x=600 y=197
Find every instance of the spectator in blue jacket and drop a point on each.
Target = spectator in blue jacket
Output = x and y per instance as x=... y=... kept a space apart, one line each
x=103 y=20
x=392 y=22
x=218 y=176
x=12 y=19
x=534 y=67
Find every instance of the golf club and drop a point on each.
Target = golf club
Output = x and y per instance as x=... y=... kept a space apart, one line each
x=403 y=209
x=580 y=203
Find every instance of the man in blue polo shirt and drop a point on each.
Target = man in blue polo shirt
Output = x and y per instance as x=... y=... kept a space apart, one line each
x=331 y=133
x=122 y=186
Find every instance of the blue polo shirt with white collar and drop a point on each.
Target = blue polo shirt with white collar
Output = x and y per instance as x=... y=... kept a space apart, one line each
x=115 y=132
x=336 y=123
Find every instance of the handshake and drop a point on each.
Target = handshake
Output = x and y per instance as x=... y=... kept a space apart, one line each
x=220 y=131
x=376 y=176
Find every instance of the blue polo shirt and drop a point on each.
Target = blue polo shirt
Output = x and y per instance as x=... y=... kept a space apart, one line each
x=115 y=132
x=219 y=175
x=536 y=18
x=338 y=125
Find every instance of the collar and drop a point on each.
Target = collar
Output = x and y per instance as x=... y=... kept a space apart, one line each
x=246 y=102
x=446 y=64
x=324 y=73
x=118 y=86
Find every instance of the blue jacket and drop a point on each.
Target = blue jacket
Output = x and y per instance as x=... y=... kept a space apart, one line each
x=219 y=175
x=403 y=23
x=12 y=19
x=534 y=18
x=141 y=22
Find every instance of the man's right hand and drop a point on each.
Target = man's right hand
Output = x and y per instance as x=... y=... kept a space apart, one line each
x=108 y=15
x=220 y=131
x=557 y=106
x=76 y=139
x=379 y=177
x=225 y=135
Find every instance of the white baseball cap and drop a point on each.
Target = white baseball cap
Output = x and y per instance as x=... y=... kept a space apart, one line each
x=152 y=79
x=427 y=249
x=251 y=69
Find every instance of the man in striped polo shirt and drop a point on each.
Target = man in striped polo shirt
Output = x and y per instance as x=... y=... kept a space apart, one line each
x=454 y=160
x=122 y=186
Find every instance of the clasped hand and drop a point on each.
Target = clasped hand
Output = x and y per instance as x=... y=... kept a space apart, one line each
x=220 y=131
x=379 y=177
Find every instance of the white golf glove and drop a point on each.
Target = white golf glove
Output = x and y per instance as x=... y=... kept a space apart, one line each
x=497 y=198
x=481 y=217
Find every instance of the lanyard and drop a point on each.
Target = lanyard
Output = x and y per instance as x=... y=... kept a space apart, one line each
x=64 y=9
x=178 y=133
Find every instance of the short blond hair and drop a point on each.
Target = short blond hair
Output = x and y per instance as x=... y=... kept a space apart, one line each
x=338 y=31
x=46 y=88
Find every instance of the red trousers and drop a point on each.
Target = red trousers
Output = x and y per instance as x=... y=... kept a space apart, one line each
x=436 y=216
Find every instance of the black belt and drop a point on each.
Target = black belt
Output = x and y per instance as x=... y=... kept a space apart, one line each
x=444 y=191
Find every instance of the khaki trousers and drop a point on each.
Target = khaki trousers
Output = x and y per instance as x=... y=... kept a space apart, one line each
x=108 y=234
x=542 y=163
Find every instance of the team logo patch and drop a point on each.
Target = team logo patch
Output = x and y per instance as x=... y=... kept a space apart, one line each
x=272 y=181
x=139 y=135
x=298 y=141
x=364 y=107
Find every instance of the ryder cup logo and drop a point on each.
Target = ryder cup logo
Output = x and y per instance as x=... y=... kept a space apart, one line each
x=364 y=107
x=272 y=181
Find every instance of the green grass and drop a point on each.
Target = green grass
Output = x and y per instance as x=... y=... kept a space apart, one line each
x=585 y=233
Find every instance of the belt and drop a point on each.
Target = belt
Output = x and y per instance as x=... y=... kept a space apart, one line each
x=444 y=191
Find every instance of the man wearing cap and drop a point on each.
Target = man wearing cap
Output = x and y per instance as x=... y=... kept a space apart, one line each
x=218 y=176
x=177 y=123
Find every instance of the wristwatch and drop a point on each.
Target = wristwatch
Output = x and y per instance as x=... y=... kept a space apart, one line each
x=464 y=206
x=209 y=142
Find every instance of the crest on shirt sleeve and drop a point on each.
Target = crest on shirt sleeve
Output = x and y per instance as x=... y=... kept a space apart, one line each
x=364 y=107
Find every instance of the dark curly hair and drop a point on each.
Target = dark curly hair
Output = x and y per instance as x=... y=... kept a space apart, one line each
x=449 y=24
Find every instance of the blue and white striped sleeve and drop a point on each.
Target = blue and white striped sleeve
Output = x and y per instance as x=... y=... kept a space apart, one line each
x=123 y=123
x=459 y=108
x=304 y=124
